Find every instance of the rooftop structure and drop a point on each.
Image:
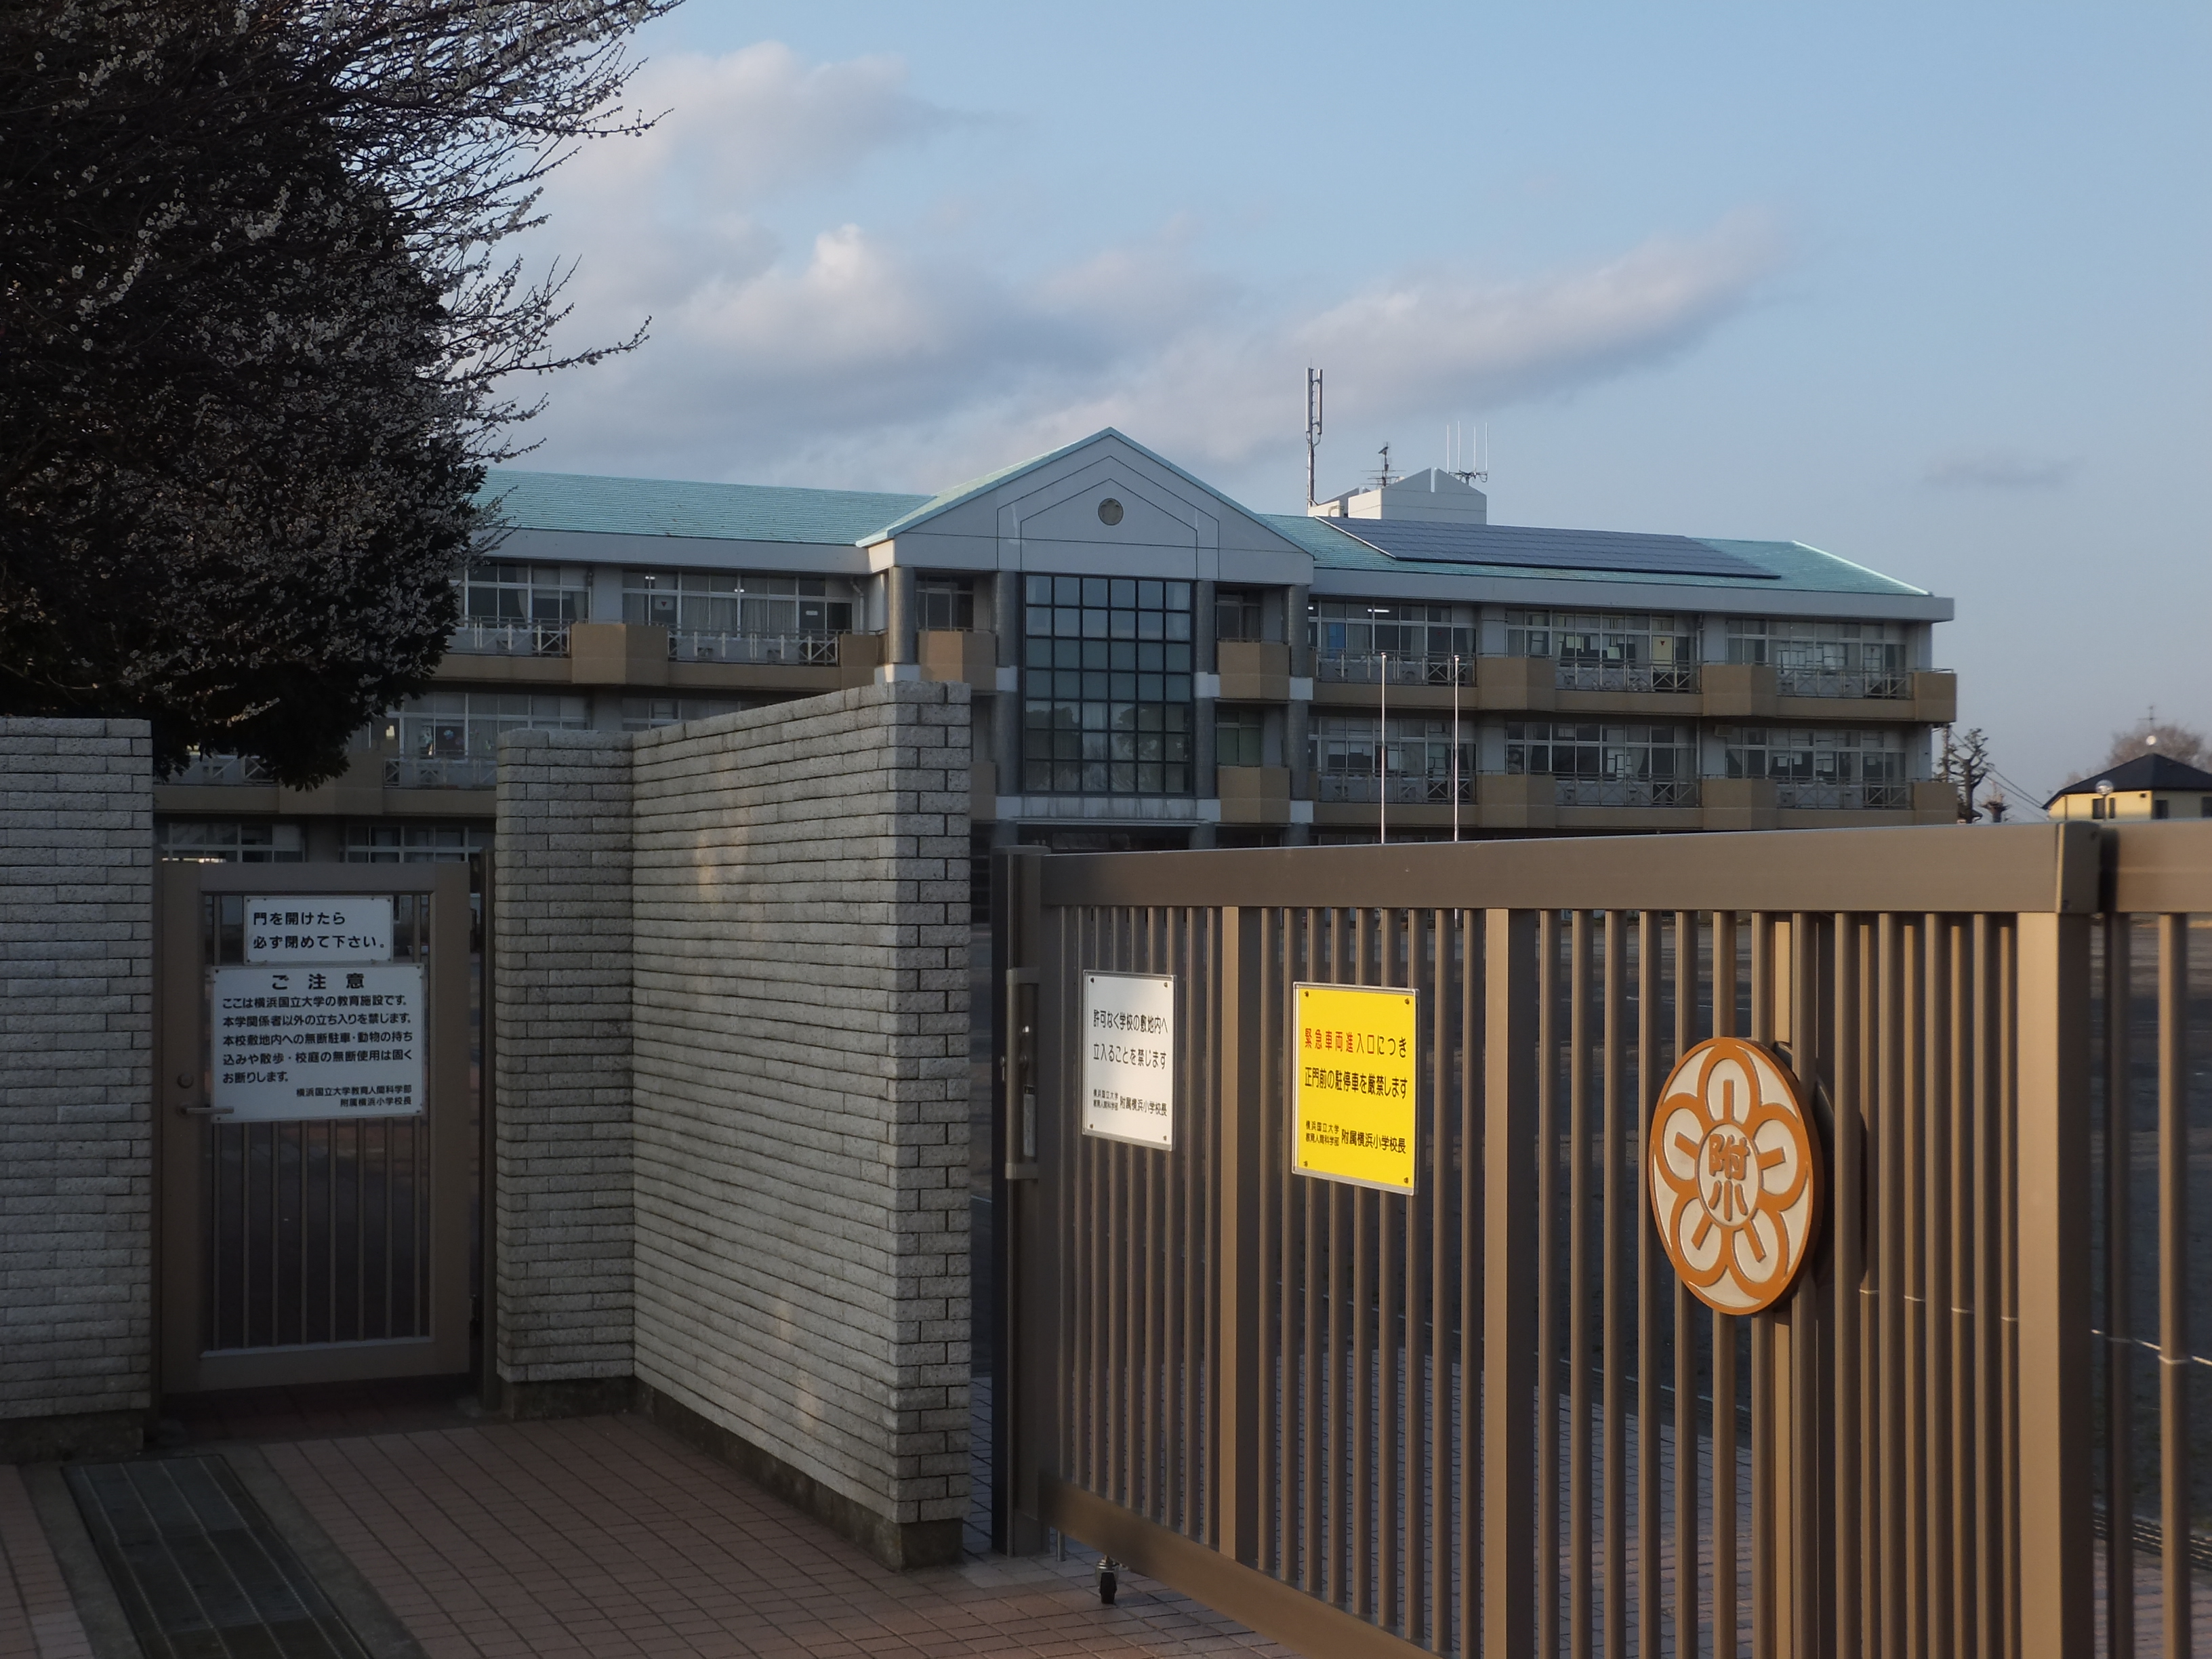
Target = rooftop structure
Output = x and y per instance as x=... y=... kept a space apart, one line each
x=1155 y=665
x=2148 y=786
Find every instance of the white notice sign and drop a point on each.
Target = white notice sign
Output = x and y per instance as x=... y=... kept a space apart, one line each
x=319 y=928
x=299 y=1042
x=1128 y=1058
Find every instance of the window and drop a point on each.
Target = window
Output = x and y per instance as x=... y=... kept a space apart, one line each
x=648 y=713
x=1595 y=764
x=947 y=603
x=1608 y=651
x=1822 y=766
x=513 y=608
x=2160 y=809
x=1107 y=686
x=414 y=843
x=1238 y=614
x=1348 y=762
x=720 y=602
x=450 y=739
x=1813 y=658
x=218 y=767
x=1239 y=737
x=1356 y=642
x=2204 y=806
x=231 y=843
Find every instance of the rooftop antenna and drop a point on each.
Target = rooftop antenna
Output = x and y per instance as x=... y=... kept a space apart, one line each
x=1474 y=453
x=1382 y=478
x=1313 y=426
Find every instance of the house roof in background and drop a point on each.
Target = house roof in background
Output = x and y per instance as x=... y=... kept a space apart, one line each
x=2143 y=772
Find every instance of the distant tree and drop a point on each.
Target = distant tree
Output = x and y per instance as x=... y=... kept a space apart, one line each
x=2152 y=736
x=1965 y=768
x=253 y=338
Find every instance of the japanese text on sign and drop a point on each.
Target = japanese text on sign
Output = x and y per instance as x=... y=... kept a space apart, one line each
x=1355 y=1086
x=321 y=927
x=1128 y=1058
x=295 y=1042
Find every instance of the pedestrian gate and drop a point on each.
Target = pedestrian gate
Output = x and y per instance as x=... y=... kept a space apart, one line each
x=312 y=1122
x=1486 y=1417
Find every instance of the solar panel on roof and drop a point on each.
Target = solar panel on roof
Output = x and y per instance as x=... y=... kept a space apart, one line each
x=1526 y=546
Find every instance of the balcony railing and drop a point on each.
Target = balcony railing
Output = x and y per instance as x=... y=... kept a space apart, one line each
x=1627 y=677
x=1838 y=683
x=440 y=772
x=808 y=650
x=482 y=638
x=235 y=770
x=1407 y=791
x=1833 y=796
x=1347 y=668
x=1625 y=791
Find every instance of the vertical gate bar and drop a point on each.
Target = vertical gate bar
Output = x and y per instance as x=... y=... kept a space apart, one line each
x=1613 y=1139
x=1965 y=1158
x=1430 y=1551
x=1988 y=1526
x=1271 y=1358
x=1727 y=1623
x=1211 y=1175
x=2172 y=1281
x=1363 y=1358
x=1763 y=1516
x=1192 y=1520
x=2120 y=1278
x=1316 y=1398
x=1235 y=1439
x=1575 y=1132
x=1808 y=1589
x=1913 y=1290
x=1175 y=1436
x=1847 y=1135
x=1648 y=1074
x=1685 y=1391
x=1473 y=977
x=1513 y=1593
x=2052 y=1219
x=1147 y=1165
x=1390 y=1209
x=2007 y=1102
x=1548 y=1296
x=1891 y=1281
x=1935 y=1281
x=1098 y=1155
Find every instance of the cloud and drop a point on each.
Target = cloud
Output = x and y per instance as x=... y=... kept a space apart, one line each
x=905 y=357
x=1999 y=468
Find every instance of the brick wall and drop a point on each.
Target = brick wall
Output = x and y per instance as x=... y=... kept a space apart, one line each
x=560 y=1053
x=77 y=984
x=796 y=1109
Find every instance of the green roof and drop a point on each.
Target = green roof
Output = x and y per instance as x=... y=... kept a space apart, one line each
x=668 y=506
x=1796 y=567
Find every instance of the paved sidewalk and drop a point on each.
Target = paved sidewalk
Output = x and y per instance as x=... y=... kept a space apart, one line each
x=607 y=1536
x=37 y=1619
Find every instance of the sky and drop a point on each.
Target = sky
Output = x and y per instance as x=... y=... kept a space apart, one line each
x=1926 y=287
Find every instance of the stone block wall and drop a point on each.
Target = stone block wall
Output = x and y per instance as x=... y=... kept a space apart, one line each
x=795 y=944
x=76 y=1166
x=561 y=1057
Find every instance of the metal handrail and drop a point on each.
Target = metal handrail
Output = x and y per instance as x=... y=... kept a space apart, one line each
x=699 y=645
x=1367 y=668
x=440 y=772
x=1625 y=791
x=1405 y=789
x=1873 y=797
x=225 y=771
x=520 y=638
x=1626 y=677
x=1843 y=682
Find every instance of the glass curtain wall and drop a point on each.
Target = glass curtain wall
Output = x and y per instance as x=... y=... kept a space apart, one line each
x=1106 y=686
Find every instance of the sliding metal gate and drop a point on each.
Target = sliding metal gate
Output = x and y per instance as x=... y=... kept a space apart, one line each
x=332 y=1245
x=1487 y=1418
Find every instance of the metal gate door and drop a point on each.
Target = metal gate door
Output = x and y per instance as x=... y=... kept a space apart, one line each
x=309 y=1231
x=1480 y=1412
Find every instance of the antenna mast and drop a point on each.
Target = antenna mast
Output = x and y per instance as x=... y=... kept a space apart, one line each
x=1313 y=426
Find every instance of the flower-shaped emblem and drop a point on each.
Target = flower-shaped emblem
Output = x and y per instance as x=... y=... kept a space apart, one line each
x=1735 y=1175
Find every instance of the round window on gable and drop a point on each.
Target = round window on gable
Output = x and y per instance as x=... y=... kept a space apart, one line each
x=1109 y=511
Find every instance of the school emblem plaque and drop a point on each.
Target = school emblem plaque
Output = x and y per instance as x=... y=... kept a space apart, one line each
x=1736 y=1175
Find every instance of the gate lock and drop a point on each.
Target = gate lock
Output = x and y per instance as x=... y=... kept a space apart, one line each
x=1017 y=1062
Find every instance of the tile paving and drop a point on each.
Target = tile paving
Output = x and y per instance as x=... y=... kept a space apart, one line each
x=37 y=1619
x=606 y=1536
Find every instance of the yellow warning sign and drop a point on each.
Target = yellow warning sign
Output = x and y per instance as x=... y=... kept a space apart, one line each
x=1355 y=1084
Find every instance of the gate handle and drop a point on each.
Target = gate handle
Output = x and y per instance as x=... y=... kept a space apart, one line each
x=1018 y=1039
